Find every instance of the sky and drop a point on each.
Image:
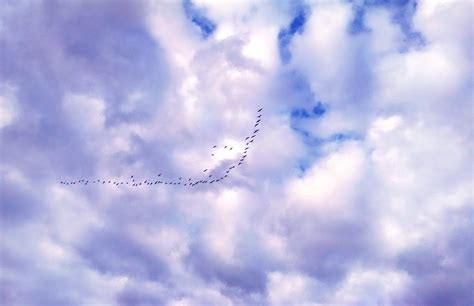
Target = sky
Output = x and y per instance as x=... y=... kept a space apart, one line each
x=358 y=189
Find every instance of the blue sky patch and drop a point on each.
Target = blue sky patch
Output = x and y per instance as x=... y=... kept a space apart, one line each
x=402 y=14
x=316 y=141
x=319 y=110
x=286 y=35
x=302 y=113
x=198 y=18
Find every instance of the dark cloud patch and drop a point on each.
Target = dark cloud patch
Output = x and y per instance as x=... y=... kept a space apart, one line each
x=443 y=269
x=117 y=252
x=295 y=88
x=30 y=145
x=325 y=257
x=133 y=295
x=245 y=276
x=122 y=56
x=443 y=288
x=101 y=47
x=17 y=204
x=157 y=157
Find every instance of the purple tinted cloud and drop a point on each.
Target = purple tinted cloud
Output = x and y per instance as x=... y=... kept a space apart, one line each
x=355 y=192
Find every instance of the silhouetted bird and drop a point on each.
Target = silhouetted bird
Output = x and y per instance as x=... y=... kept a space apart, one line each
x=249 y=139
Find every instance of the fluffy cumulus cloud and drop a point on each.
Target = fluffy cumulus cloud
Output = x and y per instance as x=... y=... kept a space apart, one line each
x=357 y=191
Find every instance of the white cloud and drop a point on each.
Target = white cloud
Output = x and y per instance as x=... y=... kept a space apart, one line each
x=415 y=178
x=366 y=286
x=292 y=288
x=167 y=22
x=341 y=231
x=9 y=111
x=330 y=186
x=323 y=51
x=445 y=21
x=85 y=113
x=386 y=36
x=256 y=22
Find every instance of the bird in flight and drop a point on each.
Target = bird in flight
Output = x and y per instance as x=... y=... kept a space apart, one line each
x=150 y=182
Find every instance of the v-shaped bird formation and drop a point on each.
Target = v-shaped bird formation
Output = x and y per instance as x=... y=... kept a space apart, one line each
x=208 y=176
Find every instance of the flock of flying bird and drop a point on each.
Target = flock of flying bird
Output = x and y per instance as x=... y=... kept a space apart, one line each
x=205 y=179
